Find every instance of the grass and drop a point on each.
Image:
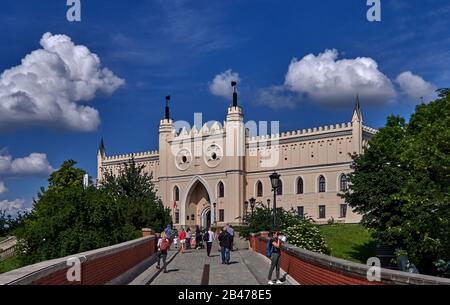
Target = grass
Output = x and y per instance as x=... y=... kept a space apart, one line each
x=10 y=264
x=349 y=241
x=2 y=238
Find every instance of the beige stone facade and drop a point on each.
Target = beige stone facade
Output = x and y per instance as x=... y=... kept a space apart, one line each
x=225 y=165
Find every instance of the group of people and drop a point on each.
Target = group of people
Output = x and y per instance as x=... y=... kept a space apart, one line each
x=226 y=240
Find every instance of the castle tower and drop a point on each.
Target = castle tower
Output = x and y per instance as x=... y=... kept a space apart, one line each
x=357 y=124
x=165 y=135
x=235 y=156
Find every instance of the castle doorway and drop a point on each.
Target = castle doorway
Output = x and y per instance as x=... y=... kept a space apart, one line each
x=197 y=209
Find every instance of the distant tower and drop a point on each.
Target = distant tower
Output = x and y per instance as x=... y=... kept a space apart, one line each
x=357 y=123
x=101 y=155
x=233 y=84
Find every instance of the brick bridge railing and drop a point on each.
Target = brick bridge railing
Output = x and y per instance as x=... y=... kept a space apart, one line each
x=310 y=268
x=117 y=264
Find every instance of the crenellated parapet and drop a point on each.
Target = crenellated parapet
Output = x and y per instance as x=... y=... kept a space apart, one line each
x=136 y=156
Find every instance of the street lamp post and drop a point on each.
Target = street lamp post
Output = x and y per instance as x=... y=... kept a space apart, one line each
x=215 y=219
x=275 y=180
x=252 y=204
x=245 y=208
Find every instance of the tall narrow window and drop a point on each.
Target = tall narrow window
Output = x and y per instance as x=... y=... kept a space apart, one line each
x=280 y=188
x=221 y=190
x=300 y=185
x=259 y=189
x=322 y=211
x=177 y=217
x=301 y=211
x=176 y=193
x=221 y=215
x=343 y=212
x=322 y=184
x=343 y=185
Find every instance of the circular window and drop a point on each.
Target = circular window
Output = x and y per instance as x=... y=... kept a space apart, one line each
x=183 y=159
x=213 y=155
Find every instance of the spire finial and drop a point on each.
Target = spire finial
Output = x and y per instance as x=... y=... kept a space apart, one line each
x=233 y=84
x=357 y=109
x=101 y=147
x=167 y=112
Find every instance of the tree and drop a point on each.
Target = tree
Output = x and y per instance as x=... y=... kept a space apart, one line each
x=133 y=191
x=401 y=185
x=68 y=218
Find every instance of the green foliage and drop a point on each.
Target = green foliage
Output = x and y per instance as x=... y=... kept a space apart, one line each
x=401 y=184
x=352 y=242
x=68 y=218
x=10 y=264
x=305 y=234
x=8 y=223
x=262 y=220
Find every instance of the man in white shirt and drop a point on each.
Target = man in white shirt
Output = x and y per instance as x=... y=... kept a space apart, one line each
x=209 y=241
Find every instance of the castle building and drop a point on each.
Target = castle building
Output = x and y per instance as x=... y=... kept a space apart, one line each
x=209 y=174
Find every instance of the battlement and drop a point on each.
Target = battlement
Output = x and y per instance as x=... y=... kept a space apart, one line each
x=195 y=132
x=136 y=156
x=305 y=132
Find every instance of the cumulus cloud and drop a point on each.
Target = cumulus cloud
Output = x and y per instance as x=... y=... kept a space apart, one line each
x=12 y=207
x=415 y=87
x=331 y=81
x=49 y=84
x=3 y=188
x=36 y=164
x=221 y=84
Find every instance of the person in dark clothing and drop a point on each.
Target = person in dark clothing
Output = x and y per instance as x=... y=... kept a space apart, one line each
x=275 y=258
x=225 y=242
x=198 y=237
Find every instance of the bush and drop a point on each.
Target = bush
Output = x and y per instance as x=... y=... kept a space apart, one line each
x=307 y=235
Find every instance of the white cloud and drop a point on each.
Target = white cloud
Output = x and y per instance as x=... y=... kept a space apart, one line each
x=221 y=84
x=3 y=188
x=331 y=81
x=14 y=206
x=415 y=87
x=35 y=164
x=46 y=88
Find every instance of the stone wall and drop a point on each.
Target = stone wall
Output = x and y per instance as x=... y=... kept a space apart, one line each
x=310 y=268
x=98 y=267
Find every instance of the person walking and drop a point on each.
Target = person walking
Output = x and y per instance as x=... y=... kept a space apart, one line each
x=275 y=258
x=182 y=238
x=225 y=245
x=188 y=238
x=163 y=248
x=198 y=237
x=168 y=231
x=209 y=238
x=230 y=231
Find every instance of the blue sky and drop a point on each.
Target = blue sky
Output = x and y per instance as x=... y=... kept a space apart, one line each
x=179 y=47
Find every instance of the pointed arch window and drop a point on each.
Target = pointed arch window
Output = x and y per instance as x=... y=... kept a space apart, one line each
x=322 y=184
x=299 y=185
x=221 y=190
x=176 y=193
x=280 y=187
x=259 y=189
x=343 y=183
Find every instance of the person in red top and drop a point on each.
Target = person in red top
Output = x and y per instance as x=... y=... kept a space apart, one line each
x=183 y=240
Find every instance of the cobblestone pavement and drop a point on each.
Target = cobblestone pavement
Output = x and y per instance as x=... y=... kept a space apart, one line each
x=246 y=268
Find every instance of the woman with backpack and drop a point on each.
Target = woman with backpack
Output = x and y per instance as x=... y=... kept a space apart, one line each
x=273 y=250
x=163 y=247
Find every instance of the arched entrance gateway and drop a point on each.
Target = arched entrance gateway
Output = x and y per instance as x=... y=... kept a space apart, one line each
x=196 y=206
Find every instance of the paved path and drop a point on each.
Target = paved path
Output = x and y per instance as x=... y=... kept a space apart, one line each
x=246 y=268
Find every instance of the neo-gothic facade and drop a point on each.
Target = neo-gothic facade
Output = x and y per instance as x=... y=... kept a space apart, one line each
x=223 y=164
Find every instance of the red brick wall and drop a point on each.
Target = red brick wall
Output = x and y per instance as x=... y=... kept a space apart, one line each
x=103 y=269
x=307 y=273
